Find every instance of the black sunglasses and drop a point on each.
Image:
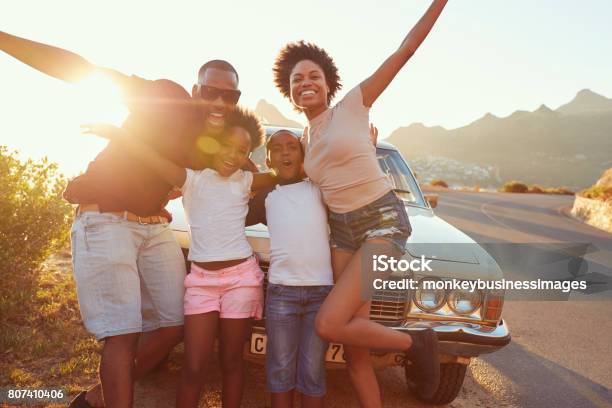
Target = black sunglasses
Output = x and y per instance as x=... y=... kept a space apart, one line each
x=210 y=93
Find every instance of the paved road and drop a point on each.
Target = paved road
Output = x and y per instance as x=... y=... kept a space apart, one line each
x=561 y=352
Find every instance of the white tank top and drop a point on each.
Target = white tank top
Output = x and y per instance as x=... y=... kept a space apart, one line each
x=215 y=209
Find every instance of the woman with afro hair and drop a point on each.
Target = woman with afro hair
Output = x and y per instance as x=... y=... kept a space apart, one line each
x=365 y=216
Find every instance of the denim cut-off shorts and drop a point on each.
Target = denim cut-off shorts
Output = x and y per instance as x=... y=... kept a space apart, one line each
x=385 y=218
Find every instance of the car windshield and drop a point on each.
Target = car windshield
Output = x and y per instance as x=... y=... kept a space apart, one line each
x=390 y=161
x=393 y=165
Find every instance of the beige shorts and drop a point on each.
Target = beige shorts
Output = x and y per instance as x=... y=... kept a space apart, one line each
x=129 y=276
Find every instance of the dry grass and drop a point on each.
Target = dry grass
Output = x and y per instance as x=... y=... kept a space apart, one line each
x=42 y=339
x=597 y=193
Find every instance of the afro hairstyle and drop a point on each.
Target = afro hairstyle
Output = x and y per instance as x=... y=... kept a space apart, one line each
x=247 y=120
x=295 y=52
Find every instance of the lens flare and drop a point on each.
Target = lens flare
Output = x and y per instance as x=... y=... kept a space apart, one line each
x=208 y=145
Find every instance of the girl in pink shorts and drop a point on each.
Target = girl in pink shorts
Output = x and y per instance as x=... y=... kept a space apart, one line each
x=224 y=290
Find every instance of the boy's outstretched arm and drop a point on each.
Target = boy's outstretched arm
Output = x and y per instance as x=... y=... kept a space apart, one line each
x=373 y=86
x=257 y=209
x=54 y=61
x=170 y=172
x=264 y=180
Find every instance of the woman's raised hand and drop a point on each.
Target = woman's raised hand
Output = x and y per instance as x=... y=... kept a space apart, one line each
x=373 y=86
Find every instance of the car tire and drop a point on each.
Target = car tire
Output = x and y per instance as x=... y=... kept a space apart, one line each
x=451 y=381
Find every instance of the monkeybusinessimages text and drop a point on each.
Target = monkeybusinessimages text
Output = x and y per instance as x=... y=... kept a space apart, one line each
x=420 y=266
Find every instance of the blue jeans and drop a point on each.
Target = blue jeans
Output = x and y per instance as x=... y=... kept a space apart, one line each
x=295 y=357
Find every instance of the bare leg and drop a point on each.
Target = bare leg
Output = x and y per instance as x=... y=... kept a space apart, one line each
x=117 y=369
x=94 y=396
x=283 y=399
x=312 y=402
x=200 y=333
x=337 y=320
x=360 y=370
x=152 y=349
x=359 y=363
x=231 y=342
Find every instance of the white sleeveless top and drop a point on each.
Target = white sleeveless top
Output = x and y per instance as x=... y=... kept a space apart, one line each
x=215 y=209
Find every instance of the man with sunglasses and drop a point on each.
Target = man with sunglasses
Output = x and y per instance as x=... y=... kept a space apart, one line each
x=128 y=267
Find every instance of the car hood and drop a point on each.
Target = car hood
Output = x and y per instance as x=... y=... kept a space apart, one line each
x=435 y=238
x=432 y=237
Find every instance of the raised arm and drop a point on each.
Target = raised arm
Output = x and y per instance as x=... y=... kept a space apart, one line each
x=170 y=172
x=373 y=86
x=54 y=61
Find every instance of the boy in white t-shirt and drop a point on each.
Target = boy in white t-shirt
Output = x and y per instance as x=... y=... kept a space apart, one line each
x=299 y=278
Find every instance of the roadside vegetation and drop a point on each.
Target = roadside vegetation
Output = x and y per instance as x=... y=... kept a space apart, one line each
x=42 y=340
x=439 y=183
x=603 y=193
x=509 y=187
x=519 y=187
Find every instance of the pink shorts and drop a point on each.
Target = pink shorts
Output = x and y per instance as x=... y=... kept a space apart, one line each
x=235 y=292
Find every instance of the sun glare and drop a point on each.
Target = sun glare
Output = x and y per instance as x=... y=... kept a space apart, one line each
x=95 y=99
x=48 y=124
x=99 y=101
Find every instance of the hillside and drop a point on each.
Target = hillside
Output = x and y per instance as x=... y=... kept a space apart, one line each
x=569 y=146
x=269 y=114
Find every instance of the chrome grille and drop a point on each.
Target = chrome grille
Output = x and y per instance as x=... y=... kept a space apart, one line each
x=389 y=305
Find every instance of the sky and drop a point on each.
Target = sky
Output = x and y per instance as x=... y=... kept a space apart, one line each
x=482 y=56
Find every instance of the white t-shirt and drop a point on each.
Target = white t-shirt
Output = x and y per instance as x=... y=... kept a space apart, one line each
x=215 y=209
x=299 y=236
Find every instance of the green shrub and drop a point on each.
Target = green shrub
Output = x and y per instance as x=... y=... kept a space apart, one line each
x=42 y=339
x=514 y=187
x=439 y=183
x=35 y=218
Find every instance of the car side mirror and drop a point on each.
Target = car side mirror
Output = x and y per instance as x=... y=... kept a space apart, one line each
x=432 y=199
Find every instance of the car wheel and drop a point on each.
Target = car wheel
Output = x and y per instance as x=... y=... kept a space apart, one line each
x=451 y=381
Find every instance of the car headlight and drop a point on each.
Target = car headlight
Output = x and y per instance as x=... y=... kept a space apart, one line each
x=464 y=302
x=427 y=297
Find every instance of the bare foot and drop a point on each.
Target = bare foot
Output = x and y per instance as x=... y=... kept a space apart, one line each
x=94 y=396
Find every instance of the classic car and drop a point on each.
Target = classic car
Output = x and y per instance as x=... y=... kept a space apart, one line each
x=468 y=323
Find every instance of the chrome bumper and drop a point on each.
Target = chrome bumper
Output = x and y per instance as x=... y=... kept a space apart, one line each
x=464 y=339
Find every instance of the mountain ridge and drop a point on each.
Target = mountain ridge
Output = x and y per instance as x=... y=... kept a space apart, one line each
x=270 y=114
x=536 y=147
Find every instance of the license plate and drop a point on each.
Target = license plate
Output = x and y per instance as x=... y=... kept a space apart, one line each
x=335 y=352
